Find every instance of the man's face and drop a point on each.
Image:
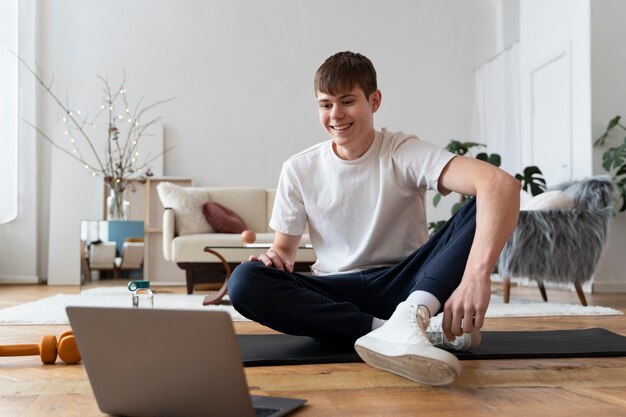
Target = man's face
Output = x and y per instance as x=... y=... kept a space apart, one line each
x=348 y=116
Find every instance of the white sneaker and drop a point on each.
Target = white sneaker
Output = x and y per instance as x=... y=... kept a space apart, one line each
x=402 y=347
x=461 y=343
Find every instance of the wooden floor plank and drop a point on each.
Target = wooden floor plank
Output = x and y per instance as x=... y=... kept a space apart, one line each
x=613 y=395
x=523 y=387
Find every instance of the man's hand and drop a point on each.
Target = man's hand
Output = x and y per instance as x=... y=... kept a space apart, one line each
x=466 y=307
x=281 y=254
x=271 y=258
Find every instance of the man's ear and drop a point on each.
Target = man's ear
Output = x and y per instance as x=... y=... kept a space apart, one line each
x=375 y=99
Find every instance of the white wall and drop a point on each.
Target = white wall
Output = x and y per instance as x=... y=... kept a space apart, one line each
x=546 y=28
x=594 y=34
x=608 y=69
x=242 y=72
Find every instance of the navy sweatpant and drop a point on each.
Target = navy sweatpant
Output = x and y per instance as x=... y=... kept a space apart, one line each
x=339 y=308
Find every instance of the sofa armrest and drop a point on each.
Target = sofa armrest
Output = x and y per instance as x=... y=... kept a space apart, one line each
x=169 y=227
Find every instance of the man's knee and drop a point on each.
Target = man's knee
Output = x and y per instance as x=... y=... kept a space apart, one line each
x=244 y=281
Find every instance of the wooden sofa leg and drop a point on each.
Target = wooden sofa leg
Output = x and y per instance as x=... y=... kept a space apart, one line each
x=581 y=294
x=542 y=290
x=507 y=290
x=190 y=280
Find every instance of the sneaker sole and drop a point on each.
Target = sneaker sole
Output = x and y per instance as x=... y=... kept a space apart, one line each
x=417 y=368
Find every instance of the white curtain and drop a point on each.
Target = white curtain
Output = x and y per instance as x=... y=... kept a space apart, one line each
x=498 y=107
x=8 y=111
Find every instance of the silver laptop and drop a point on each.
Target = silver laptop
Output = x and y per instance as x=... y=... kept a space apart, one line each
x=167 y=363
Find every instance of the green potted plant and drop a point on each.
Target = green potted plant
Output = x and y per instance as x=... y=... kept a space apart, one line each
x=614 y=158
x=532 y=179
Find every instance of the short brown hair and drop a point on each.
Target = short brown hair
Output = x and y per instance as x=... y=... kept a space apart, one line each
x=343 y=71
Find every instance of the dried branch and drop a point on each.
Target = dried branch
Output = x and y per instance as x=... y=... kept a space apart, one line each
x=119 y=165
x=65 y=109
x=53 y=143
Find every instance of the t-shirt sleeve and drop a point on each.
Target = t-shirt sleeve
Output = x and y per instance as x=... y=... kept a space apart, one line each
x=288 y=214
x=420 y=163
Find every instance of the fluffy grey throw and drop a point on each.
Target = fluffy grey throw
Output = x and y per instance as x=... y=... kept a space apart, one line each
x=561 y=245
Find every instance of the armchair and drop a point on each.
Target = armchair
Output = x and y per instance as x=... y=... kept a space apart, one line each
x=102 y=256
x=560 y=245
x=131 y=259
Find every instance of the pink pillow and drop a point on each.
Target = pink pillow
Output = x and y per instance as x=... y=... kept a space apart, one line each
x=223 y=219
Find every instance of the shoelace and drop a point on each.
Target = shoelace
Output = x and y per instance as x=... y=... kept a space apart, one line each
x=416 y=313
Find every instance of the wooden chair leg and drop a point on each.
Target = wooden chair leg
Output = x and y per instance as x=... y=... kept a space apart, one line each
x=507 y=290
x=542 y=290
x=581 y=294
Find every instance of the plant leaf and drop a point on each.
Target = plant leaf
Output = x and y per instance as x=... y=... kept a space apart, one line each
x=621 y=170
x=495 y=160
x=613 y=122
x=600 y=140
x=456 y=207
x=461 y=148
x=434 y=226
x=614 y=157
x=532 y=180
x=436 y=199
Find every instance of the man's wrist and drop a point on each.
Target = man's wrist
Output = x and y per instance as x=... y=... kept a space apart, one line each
x=479 y=273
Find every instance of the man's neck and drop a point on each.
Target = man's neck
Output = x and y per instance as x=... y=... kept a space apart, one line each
x=351 y=153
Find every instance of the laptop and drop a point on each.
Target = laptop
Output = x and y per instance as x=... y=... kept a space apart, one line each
x=144 y=362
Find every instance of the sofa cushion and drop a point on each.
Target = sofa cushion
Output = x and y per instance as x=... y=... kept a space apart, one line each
x=191 y=248
x=223 y=219
x=187 y=204
x=249 y=203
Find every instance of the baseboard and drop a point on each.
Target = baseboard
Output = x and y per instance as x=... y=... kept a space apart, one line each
x=609 y=287
x=23 y=279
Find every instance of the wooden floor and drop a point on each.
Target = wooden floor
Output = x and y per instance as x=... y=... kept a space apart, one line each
x=551 y=387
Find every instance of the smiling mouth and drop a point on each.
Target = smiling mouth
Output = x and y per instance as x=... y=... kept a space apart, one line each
x=341 y=127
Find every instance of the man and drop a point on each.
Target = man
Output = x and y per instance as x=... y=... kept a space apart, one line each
x=378 y=280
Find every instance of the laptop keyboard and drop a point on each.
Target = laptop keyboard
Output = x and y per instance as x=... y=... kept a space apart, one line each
x=265 y=412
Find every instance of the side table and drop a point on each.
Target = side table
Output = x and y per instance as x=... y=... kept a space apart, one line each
x=217 y=297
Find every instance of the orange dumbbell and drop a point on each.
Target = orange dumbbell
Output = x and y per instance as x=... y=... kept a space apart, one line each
x=47 y=349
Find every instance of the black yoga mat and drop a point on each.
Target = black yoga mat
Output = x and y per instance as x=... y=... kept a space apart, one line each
x=282 y=349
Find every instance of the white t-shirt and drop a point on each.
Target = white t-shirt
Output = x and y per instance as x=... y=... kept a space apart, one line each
x=363 y=213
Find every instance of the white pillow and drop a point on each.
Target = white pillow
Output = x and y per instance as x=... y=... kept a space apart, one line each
x=187 y=204
x=549 y=200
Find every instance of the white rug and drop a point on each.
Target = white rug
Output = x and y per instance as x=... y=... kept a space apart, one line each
x=51 y=310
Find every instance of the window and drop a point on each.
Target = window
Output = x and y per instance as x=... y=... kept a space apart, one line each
x=8 y=110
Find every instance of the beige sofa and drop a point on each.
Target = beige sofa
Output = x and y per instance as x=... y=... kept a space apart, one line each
x=186 y=232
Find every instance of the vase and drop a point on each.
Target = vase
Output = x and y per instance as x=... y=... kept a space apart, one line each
x=118 y=206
